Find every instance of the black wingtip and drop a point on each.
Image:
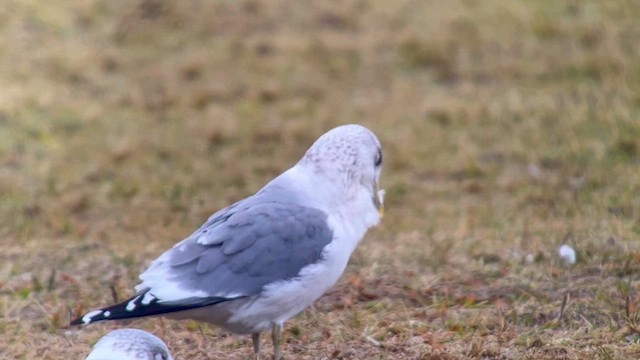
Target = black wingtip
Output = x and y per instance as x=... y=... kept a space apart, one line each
x=92 y=316
x=139 y=306
x=113 y=312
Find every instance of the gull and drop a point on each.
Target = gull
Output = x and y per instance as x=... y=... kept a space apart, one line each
x=259 y=262
x=129 y=344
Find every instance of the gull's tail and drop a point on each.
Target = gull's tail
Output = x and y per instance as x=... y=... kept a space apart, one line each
x=144 y=304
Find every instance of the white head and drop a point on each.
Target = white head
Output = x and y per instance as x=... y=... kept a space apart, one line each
x=350 y=155
x=129 y=344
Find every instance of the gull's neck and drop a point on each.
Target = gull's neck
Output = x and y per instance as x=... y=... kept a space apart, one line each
x=333 y=195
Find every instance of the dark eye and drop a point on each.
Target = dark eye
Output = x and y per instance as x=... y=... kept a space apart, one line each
x=378 y=160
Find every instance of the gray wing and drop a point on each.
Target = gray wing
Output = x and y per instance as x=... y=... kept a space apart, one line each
x=245 y=247
x=236 y=253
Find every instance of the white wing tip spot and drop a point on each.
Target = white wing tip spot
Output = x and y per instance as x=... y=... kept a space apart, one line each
x=147 y=299
x=132 y=304
x=88 y=317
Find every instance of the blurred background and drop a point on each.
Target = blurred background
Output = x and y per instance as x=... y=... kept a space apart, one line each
x=508 y=127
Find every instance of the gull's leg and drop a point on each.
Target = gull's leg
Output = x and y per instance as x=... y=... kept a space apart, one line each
x=276 y=335
x=256 y=345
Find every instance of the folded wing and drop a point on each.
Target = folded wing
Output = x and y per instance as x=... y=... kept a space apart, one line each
x=233 y=255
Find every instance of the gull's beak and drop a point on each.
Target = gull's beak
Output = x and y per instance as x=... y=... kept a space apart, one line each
x=378 y=199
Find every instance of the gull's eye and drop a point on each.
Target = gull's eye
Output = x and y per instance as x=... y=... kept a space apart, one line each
x=378 y=160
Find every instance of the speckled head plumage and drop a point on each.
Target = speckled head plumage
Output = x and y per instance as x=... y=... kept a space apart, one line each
x=351 y=154
x=130 y=344
x=346 y=149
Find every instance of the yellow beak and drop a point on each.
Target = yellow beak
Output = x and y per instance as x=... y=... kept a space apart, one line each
x=378 y=199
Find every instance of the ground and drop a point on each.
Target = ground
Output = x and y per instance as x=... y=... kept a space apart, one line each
x=509 y=128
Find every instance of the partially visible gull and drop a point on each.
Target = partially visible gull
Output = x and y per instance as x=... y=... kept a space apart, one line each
x=129 y=344
x=257 y=263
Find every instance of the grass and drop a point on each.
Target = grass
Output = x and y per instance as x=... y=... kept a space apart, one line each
x=509 y=128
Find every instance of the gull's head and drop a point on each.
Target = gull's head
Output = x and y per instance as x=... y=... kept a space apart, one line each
x=350 y=157
x=130 y=344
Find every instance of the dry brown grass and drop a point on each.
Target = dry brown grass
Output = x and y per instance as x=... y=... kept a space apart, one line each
x=509 y=127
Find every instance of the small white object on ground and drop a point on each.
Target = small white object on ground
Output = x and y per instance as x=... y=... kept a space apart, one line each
x=129 y=344
x=567 y=254
x=530 y=258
